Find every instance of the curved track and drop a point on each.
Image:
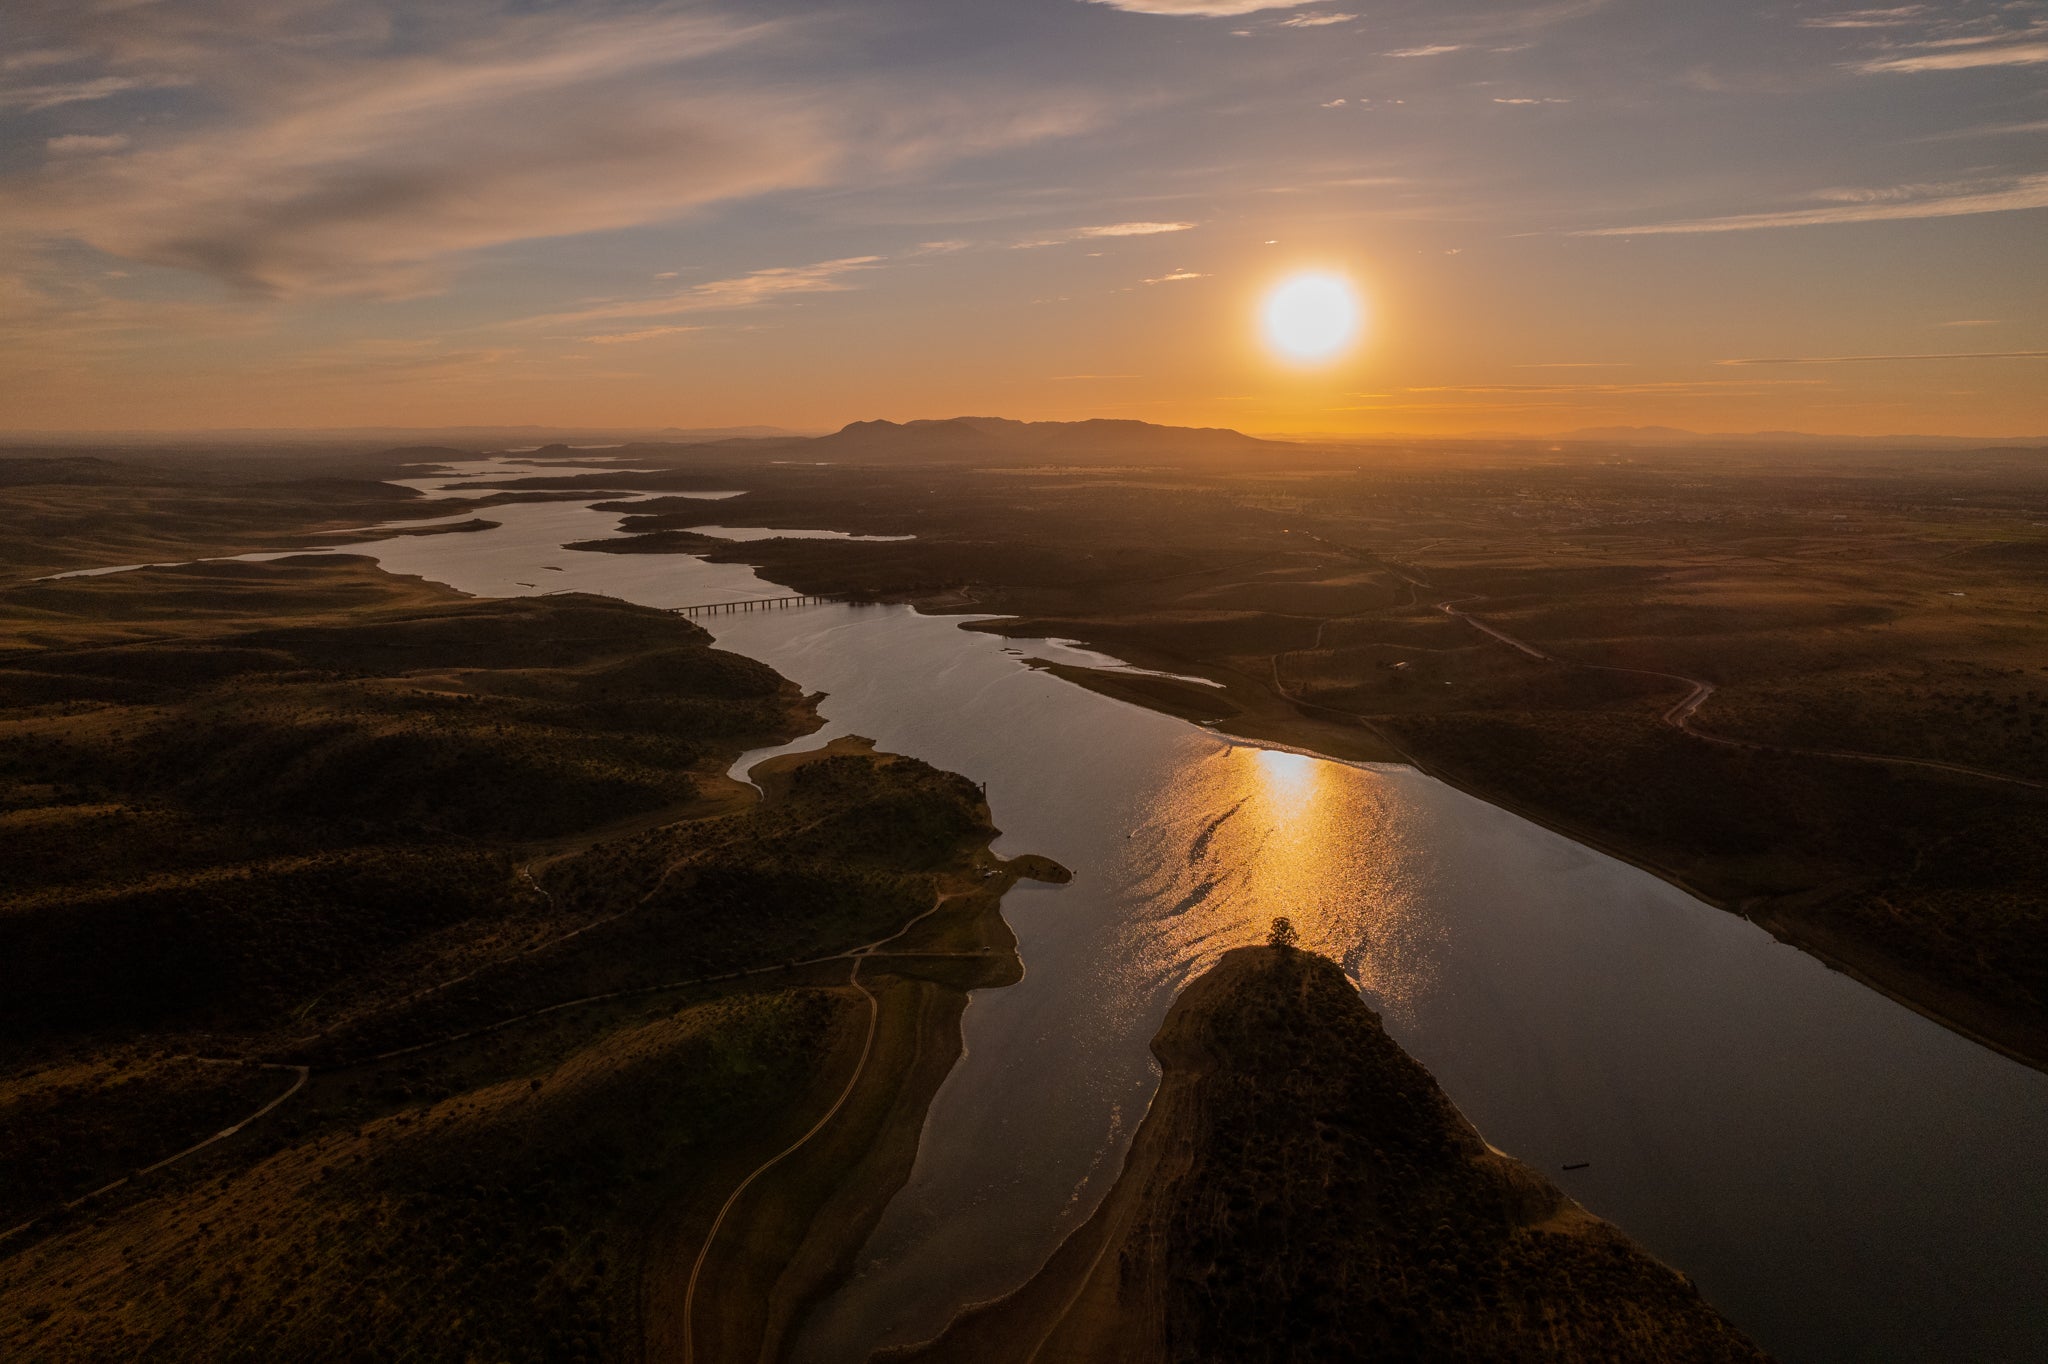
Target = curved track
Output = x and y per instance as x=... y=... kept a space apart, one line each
x=300 y=1073
x=867 y=1046
x=1680 y=715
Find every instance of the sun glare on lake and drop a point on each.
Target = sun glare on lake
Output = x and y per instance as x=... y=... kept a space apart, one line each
x=1310 y=317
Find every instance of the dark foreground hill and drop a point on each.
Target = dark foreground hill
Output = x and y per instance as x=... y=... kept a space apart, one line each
x=445 y=916
x=1302 y=1190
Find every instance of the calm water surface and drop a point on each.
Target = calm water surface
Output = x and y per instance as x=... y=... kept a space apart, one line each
x=1845 y=1179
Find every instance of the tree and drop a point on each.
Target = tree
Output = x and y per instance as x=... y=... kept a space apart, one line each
x=1283 y=935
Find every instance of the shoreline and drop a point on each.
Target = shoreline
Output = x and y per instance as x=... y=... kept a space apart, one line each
x=1268 y=717
x=794 y=1235
x=1156 y=1273
x=1988 y=1025
x=505 y=1071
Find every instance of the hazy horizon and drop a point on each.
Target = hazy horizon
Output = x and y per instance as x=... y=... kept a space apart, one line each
x=1764 y=215
x=490 y=431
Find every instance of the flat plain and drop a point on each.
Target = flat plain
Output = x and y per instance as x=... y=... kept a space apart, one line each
x=1809 y=684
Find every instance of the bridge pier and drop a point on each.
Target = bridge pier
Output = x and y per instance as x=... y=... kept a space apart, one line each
x=717 y=608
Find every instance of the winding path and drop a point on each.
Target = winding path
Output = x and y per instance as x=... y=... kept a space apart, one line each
x=867 y=1046
x=1680 y=715
x=300 y=1074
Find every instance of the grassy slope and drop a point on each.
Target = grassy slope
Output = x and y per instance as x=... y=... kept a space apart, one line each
x=222 y=831
x=67 y=511
x=280 y=811
x=1301 y=1190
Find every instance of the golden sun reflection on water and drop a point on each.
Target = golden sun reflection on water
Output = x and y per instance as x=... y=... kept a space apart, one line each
x=1289 y=779
x=1250 y=834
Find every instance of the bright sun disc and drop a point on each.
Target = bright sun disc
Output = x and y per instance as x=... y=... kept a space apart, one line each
x=1311 y=317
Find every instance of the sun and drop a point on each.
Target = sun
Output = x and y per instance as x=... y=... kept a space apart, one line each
x=1310 y=317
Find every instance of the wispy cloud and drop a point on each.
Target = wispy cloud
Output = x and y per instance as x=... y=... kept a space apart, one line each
x=1960 y=59
x=318 y=164
x=1867 y=359
x=1680 y=386
x=36 y=58
x=752 y=289
x=33 y=98
x=1134 y=229
x=356 y=176
x=1100 y=231
x=403 y=361
x=1200 y=9
x=1177 y=276
x=1895 y=204
x=1431 y=50
x=1316 y=20
x=1988 y=130
x=1868 y=18
x=85 y=144
x=46 y=324
x=643 y=334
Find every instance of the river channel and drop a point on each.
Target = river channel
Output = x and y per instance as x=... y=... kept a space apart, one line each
x=1842 y=1177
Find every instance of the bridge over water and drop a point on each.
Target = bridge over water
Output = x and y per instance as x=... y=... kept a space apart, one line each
x=716 y=608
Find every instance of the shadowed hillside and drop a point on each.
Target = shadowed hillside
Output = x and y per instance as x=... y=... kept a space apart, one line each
x=400 y=975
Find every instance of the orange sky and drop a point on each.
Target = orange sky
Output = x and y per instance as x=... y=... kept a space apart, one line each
x=631 y=213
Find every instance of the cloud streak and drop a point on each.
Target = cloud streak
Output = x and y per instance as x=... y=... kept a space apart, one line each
x=1898 y=17
x=750 y=290
x=1960 y=59
x=359 y=175
x=1868 y=206
x=1200 y=9
x=1105 y=230
x=643 y=334
x=341 y=166
x=1870 y=359
x=1134 y=229
x=1712 y=386
x=36 y=98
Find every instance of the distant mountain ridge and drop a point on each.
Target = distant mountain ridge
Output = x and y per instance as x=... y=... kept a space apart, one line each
x=1003 y=435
